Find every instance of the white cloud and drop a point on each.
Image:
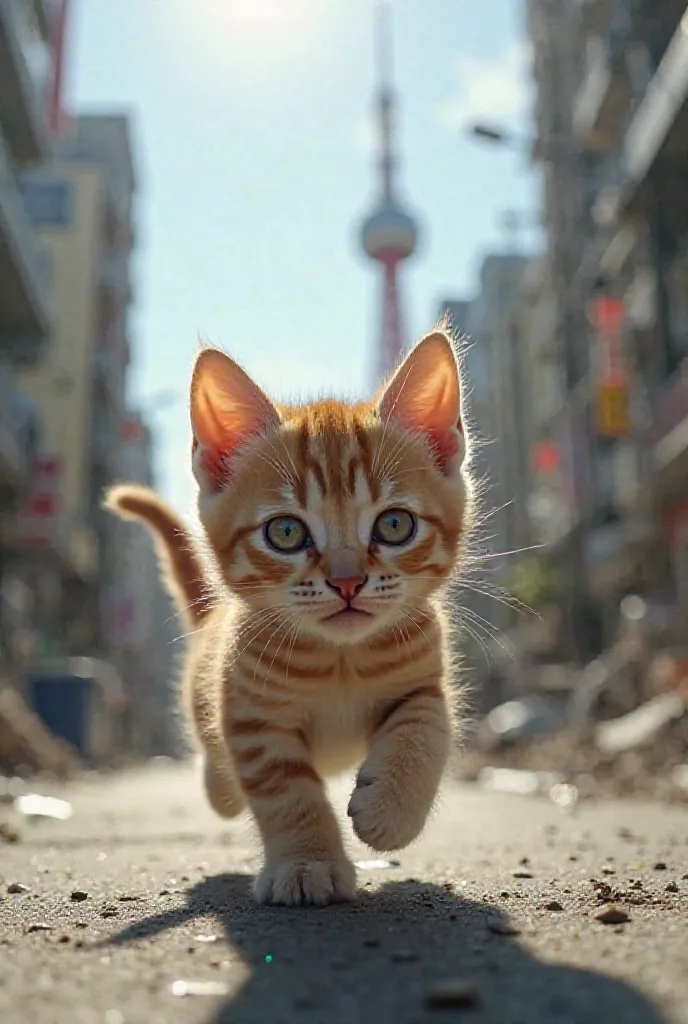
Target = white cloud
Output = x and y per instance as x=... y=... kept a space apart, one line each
x=496 y=90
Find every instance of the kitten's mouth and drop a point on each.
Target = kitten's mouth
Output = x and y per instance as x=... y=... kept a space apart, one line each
x=348 y=614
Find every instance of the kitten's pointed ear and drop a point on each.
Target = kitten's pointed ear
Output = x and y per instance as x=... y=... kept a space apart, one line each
x=227 y=409
x=425 y=396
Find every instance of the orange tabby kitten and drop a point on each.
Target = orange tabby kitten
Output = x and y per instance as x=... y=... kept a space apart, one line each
x=321 y=645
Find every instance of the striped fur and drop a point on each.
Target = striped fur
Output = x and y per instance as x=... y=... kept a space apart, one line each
x=280 y=697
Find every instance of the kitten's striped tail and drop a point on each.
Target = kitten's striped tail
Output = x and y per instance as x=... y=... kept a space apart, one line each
x=181 y=564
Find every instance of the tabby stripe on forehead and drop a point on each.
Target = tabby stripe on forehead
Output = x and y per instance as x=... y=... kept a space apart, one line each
x=366 y=457
x=334 y=457
x=309 y=463
x=353 y=468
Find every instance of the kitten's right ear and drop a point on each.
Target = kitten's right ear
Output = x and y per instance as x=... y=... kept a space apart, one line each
x=227 y=409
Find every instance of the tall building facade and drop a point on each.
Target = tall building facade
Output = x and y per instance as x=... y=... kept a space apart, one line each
x=611 y=120
x=26 y=312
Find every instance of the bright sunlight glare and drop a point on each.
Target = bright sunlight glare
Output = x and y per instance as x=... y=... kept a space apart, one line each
x=267 y=18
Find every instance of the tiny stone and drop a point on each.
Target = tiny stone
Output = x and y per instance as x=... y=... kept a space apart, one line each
x=110 y=912
x=607 y=870
x=524 y=860
x=371 y=943
x=553 y=905
x=40 y=926
x=502 y=928
x=404 y=956
x=660 y=866
x=128 y=899
x=64 y=939
x=454 y=993
x=613 y=915
x=81 y=924
x=671 y=887
x=78 y=896
x=522 y=874
x=16 y=888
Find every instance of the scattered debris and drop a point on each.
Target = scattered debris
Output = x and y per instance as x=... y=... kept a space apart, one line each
x=32 y=805
x=522 y=873
x=454 y=993
x=502 y=928
x=9 y=834
x=554 y=905
x=39 y=926
x=17 y=888
x=404 y=956
x=199 y=988
x=375 y=865
x=613 y=915
x=110 y=912
x=513 y=780
x=640 y=726
x=78 y=896
x=564 y=796
x=129 y=899
x=660 y=866
x=671 y=887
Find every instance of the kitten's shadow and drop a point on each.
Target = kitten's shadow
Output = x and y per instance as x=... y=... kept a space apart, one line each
x=372 y=962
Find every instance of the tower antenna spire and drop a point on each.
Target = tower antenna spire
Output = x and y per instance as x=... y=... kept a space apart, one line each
x=389 y=234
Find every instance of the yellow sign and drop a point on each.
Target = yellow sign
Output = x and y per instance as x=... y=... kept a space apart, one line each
x=613 y=418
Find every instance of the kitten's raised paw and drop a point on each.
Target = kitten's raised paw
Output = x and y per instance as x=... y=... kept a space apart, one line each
x=306 y=882
x=380 y=819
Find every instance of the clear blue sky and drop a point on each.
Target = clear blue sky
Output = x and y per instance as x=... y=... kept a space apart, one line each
x=253 y=146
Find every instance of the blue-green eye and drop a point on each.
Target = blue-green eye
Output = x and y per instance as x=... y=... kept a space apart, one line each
x=394 y=527
x=287 y=534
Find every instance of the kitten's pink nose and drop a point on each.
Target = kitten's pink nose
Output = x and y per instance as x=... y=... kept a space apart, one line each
x=348 y=586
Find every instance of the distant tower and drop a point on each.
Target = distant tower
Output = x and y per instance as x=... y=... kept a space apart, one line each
x=389 y=234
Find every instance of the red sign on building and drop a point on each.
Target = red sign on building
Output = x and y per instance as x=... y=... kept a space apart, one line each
x=38 y=519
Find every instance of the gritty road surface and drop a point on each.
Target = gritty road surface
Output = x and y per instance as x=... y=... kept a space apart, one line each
x=144 y=887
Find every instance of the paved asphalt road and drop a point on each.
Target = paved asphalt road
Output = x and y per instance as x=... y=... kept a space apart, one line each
x=167 y=900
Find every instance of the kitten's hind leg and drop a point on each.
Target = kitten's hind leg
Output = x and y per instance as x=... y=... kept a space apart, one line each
x=222 y=788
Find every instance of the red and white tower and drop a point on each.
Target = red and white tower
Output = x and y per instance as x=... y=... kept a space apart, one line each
x=389 y=234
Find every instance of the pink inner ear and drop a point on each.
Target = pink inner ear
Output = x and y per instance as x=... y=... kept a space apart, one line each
x=425 y=395
x=227 y=408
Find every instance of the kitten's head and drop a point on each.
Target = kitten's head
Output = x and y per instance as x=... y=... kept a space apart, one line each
x=339 y=519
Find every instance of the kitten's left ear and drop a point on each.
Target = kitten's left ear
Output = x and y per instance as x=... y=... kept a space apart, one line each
x=227 y=409
x=425 y=395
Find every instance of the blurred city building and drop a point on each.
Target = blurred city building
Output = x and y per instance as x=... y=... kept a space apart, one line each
x=67 y=199
x=610 y=447
x=143 y=624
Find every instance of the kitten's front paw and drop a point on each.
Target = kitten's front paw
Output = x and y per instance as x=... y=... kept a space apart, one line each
x=306 y=882
x=381 y=819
